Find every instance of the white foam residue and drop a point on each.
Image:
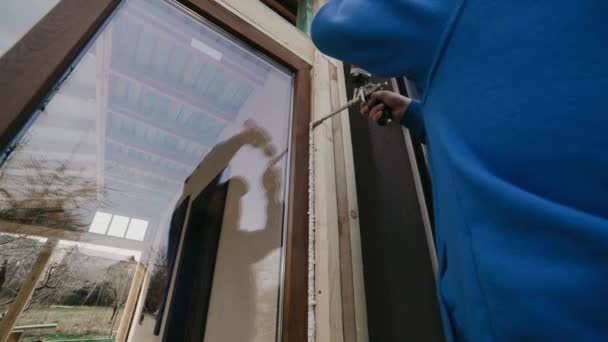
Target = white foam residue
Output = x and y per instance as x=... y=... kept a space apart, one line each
x=311 y=239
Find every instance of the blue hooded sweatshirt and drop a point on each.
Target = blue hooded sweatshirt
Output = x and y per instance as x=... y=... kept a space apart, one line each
x=514 y=117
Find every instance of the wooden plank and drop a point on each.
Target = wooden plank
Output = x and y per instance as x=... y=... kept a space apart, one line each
x=27 y=288
x=30 y=68
x=269 y=24
x=143 y=294
x=15 y=336
x=328 y=313
x=69 y=235
x=129 y=310
x=346 y=273
x=281 y=9
x=36 y=326
x=353 y=216
x=304 y=18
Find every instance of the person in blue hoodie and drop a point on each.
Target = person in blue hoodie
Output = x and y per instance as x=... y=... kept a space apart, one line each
x=514 y=116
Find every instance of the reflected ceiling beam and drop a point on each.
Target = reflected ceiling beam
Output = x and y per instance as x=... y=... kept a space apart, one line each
x=124 y=140
x=104 y=53
x=123 y=71
x=61 y=234
x=150 y=121
x=144 y=173
x=128 y=182
x=120 y=159
x=184 y=35
x=116 y=170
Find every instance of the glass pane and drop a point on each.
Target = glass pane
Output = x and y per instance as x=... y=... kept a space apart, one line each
x=159 y=99
x=17 y=17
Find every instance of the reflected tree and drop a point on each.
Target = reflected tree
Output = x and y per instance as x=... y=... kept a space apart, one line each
x=18 y=254
x=47 y=193
x=61 y=277
x=117 y=280
x=37 y=194
x=3 y=274
x=158 y=279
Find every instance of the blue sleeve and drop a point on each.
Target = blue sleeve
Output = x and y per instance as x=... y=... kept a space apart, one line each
x=412 y=119
x=389 y=38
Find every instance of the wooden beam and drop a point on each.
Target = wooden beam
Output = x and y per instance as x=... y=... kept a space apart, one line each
x=328 y=310
x=127 y=318
x=281 y=9
x=69 y=235
x=27 y=288
x=264 y=25
x=353 y=216
x=15 y=336
x=305 y=15
x=346 y=272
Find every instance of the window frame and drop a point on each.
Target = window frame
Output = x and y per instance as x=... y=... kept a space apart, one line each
x=29 y=70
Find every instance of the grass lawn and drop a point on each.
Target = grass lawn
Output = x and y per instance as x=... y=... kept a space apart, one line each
x=72 y=322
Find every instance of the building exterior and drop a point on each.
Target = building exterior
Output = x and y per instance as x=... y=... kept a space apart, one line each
x=159 y=181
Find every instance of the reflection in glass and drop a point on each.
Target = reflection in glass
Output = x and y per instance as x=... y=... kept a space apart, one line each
x=158 y=107
x=17 y=17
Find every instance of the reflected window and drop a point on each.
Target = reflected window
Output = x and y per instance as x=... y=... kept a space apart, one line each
x=118 y=226
x=160 y=107
x=17 y=17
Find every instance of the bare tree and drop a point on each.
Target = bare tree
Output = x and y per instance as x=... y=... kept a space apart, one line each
x=19 y=254
x=41 y=192
x=118 y=280
x=159 y=274
x=61 y=277
x=47 y=193
x=3 y=274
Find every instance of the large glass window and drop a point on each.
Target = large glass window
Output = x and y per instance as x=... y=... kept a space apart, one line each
x=17 y=17
x=158 y=97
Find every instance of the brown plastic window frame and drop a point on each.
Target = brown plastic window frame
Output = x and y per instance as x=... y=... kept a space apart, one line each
x=30 y=68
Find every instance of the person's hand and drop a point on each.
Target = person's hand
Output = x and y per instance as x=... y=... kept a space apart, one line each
x=258 y=137
x=398 y=104
x=271 y=179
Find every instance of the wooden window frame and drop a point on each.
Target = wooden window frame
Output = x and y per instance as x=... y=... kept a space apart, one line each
x=34 y=64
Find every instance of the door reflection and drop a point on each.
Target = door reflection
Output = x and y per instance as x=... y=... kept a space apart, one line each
x=216 y=211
